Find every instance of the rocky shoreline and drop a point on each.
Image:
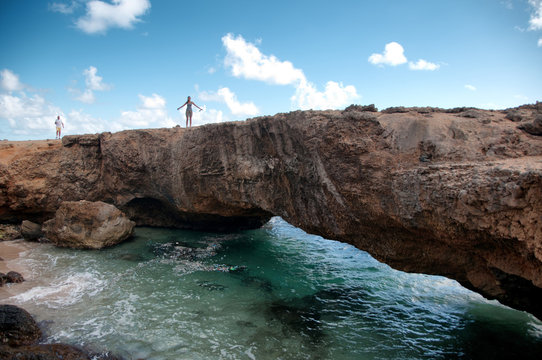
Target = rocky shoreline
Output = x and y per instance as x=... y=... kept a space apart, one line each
x=453 y=192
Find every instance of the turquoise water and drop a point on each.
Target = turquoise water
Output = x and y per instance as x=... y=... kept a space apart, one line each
x=271 y=293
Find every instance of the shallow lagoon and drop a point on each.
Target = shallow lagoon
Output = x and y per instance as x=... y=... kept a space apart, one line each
x=271 y=293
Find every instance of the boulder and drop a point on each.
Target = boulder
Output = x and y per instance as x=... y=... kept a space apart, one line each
x=17 y=327
x=30 y=230
x=533 y=128
x=14 y=277
x=88 y=225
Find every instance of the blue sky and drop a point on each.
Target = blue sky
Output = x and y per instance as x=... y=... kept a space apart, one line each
x=123 y=64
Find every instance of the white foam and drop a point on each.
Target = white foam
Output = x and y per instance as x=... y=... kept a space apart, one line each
x=63 y=292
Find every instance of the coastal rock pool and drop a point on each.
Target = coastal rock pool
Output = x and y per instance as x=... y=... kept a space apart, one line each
x=271 y=293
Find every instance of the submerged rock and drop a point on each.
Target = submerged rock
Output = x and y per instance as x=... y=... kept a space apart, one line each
x=88 y=225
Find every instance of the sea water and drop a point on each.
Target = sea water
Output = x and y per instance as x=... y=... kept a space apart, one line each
x=271 y=293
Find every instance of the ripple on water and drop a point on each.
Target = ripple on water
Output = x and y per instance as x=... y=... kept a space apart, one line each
x=170 y=294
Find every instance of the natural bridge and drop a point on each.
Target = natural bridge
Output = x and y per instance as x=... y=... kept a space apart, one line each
x=450 y=192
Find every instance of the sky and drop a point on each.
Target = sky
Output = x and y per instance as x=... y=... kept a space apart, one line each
x=112 y=65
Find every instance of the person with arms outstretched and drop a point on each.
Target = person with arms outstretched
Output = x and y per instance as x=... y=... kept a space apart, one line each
x=58 y=124
x=189 y=104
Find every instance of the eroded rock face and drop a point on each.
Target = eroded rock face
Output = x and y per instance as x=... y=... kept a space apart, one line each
x=88 y=225
x=450 y=192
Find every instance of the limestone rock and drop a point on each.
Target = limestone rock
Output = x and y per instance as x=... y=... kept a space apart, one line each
x=422 y=189
x=88 y=225
x=17 y=327
x=30 y=230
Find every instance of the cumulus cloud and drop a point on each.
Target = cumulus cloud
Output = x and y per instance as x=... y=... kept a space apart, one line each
x=10 y=81
x=93 y=82
x=225 y=95
x=335 y=95
x=150 y=113
x=540 y=42
x=28 y=116
x=423 y=65
x=100 y=15
x=393 y=55
x=535 y=22
x=470 y=87
x=245 y=60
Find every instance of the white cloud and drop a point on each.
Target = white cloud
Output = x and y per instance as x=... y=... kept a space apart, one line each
x=335 y=96
x=151 y=112
x=87 y=97
x=393 y=55
x=10 y=81
x=225 y=95
x=207 y=116
x=245 y=60
x=28 y=116
x=63 y=8
x=507 y=4
x=470 y=87
x=93 y=82
x=423 y=65
x=101 y=16
x=535 y=22
x=540 y=42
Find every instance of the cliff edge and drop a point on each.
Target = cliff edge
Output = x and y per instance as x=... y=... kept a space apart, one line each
x=453 y=192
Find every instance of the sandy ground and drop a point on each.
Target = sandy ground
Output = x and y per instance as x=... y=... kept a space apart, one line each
x=10 y=150
x=10 y=254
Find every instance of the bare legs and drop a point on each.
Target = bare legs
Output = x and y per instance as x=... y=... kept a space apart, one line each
x=188 y=118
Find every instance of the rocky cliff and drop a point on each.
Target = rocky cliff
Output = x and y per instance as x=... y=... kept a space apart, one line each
x=451 y=192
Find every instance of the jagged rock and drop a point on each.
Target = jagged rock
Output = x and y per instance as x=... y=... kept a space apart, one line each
x=534 y=128
x=396 y=109
x=9 y=232
x=17 y=327
x=88 y=225
x=440 y=194
x=361 y=108
x=514 y=115
x=30 y=230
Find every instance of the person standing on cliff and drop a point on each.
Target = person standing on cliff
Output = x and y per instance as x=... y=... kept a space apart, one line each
x=189 y=104
x=58 y=124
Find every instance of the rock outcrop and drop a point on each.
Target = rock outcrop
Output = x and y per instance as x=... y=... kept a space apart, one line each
x=451 y=192
x=19 y=335
x=17 y=327
x=88 y=225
